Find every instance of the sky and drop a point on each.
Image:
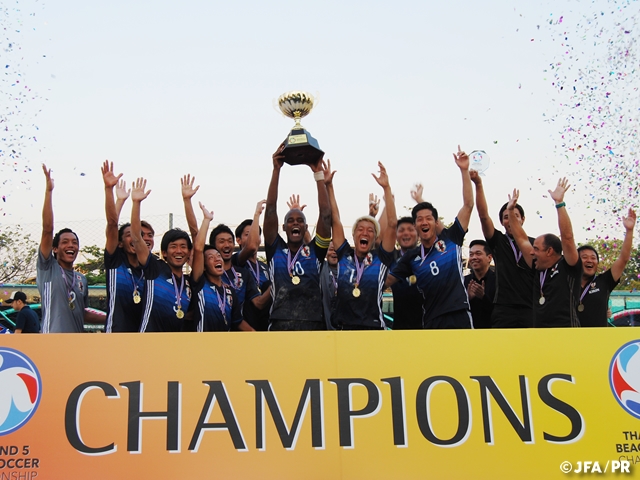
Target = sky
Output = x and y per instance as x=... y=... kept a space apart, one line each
x=165 y=89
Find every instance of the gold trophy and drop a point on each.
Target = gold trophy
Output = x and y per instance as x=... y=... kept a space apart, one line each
x=300 y=146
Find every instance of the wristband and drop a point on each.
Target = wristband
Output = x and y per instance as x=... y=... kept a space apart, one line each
x=560 y=205
x=318 y=176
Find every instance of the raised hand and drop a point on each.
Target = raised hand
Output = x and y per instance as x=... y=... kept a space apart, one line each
x=109 y=178
x=207 y=214
x=383 y=178
x=513 y=200
x=47 y=174
x=293 y=203
x=629 y=221
x=188 y=190
x=261 y=204
x=374 y=204
x=138 y=190
x=462 y=159
x=558 y=194
x=475 y=177
x=278 y=157
x=416 y=193
x=328 y=174
x=121 y=191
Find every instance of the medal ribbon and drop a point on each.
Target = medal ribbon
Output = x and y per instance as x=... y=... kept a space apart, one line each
x=291 y=263
x=586 y=289
x=222 y=303
x=178 y=293
x=66 y=284
x=359 y=269
x=422 y=254
x=235 y=284
x=134 y=281
x=256 y=272
x=516 y=253
x=543 y=276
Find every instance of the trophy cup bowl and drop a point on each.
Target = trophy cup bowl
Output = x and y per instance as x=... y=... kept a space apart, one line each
x=300 y=146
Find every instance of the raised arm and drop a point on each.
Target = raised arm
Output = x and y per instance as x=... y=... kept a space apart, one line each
x=250 y=247
x=481 y=205
x=46 y=240
x=270 y=226
x=388 y=239
x=629 y=223
x=197 y=266
x=323 y=227
x=519 y=235
x=138 y=194
x=110 y=180
x=464 y=215
x=416 y=193
x=188 y=191
x=121 y=196
x=336 y=223
x=294 y=203
x=569 y=249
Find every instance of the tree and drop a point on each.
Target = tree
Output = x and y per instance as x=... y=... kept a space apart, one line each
x=93 y=267
x=608 y=252
x=18 y=254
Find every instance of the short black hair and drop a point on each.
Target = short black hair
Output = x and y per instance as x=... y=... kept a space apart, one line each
x=424 y=206
x=551 y=240
x=56 y=238
x=246 y=223
x=589 y=247
x=222 y=228
x=402 y=220
x=125 y=225
x=483 y=243
x=504 y=207
x=173 y=235
x=208 y=247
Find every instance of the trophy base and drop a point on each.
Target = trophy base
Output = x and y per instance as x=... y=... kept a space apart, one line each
x=301 y=149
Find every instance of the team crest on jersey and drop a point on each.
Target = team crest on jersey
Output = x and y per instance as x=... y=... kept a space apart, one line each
x=441 y=246
x=554 y=270
x=368 y=260
x=227 y=291
x=80 y=282
x=305 y=251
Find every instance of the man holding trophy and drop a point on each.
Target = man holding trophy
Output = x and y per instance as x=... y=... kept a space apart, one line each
x=294 y=265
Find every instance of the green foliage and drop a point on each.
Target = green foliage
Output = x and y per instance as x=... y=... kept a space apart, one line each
x=18 y=254
x=609 y=251
x=93 y=267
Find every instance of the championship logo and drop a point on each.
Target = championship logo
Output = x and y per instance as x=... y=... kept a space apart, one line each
x=624 y=377
x=20 y=390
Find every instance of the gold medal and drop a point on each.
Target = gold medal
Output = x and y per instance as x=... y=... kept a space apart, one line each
x=136 y=297
x=180 y=313
x=581 y=308
x=295 y=280
x=72 y=305
x=542 y=300
x=412 y=280
x=356 y=292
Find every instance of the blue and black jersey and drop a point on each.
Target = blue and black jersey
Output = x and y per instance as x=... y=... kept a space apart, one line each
x=208 y=316
x=243 y=284
x=302 y=301
x=123 y=314
x=258 y=319
x=407 y=302
x=160 y=305
x=365 y=309
x=439 y=275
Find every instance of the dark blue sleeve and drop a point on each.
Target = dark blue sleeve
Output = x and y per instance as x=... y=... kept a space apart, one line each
x=343 y=250
x=385 y=257
x=236 y=312
x=455 y=233
x=250 y=282
x=403 y=268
